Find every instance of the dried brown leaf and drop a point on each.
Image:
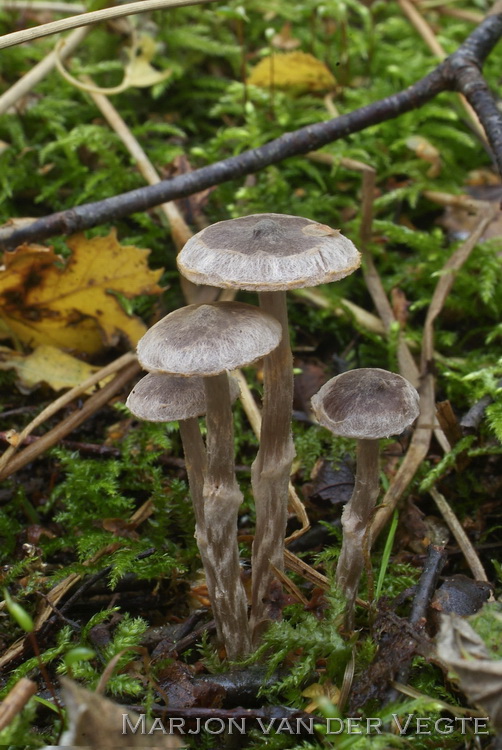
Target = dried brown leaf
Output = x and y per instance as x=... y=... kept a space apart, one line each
x=480 y=676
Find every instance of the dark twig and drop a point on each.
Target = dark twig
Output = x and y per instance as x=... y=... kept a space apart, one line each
x=434 y=563
x=107 y=450
x=459 y=72
x=267 y=713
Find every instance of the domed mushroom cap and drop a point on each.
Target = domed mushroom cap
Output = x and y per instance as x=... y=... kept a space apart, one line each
x=367 y=404
x=159 y=397
x=208 y=339
x=267 y=252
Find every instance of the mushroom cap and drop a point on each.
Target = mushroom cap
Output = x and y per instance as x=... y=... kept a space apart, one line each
x=367 y=404
x=267 y=253
x=159 y=397
x=208 y=339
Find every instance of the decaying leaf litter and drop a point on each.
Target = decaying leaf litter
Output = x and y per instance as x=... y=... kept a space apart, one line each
x=126 y=519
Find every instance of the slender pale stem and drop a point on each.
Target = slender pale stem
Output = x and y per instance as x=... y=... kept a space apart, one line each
x=356 y=518
x=272 y=466
x=222 y=498
x=196 y=467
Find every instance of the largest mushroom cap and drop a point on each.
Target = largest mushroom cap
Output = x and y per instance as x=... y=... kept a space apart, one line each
x=208 y=339
x=267 y=252
x=366 y=404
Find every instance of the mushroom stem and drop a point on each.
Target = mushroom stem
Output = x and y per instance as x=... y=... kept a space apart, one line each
x=222 y=498
x=272 y=467
x=355 y=521
x=196 y=466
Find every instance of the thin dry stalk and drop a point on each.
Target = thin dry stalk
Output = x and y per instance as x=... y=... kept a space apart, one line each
x=423 y=28
x=348 y=678
x=300 y=567
x=290 y=586
x=430 y=39
x=420 y=441
x=445 y=283
x=16 y=700
x=441 y=8
x=95 y=16
x=93 y=404
x=456 y=201
x=344 y=308
x=461 y=537
x=179 y=228
x=43 y=6
x=463 y=15
x=407 y=366
x=28 y=82
x=180 y=231
x=61 y=402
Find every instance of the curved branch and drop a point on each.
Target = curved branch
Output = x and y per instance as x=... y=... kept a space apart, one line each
x=460 y=71
x=92 y=17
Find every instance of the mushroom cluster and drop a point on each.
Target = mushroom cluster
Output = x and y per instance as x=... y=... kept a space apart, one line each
x=204 y=342
x=267 y=253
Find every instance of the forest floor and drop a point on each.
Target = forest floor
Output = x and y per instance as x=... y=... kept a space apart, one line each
x=102 y=582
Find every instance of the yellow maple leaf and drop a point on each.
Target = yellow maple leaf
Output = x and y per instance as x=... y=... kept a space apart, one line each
x=46 y=365
x=68 y=304
x=292 y=71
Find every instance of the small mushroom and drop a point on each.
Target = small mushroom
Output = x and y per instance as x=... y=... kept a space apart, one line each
x=366 y=404
x=158 y=397
x=208 y=340
x=269 y=253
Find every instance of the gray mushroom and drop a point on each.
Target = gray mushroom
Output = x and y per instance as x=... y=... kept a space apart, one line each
x=366 y=404
x=159 y=397
x=208 y=340
x=269 y=253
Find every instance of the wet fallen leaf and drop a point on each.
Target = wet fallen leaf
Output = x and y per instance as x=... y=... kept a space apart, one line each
x=307 y=382
x=68 y=304
x=95 y=721
x=459 y=595
x=480 y=675
x=292 y=71
x=329 y=484
x=46 y=365
x=398 y=642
